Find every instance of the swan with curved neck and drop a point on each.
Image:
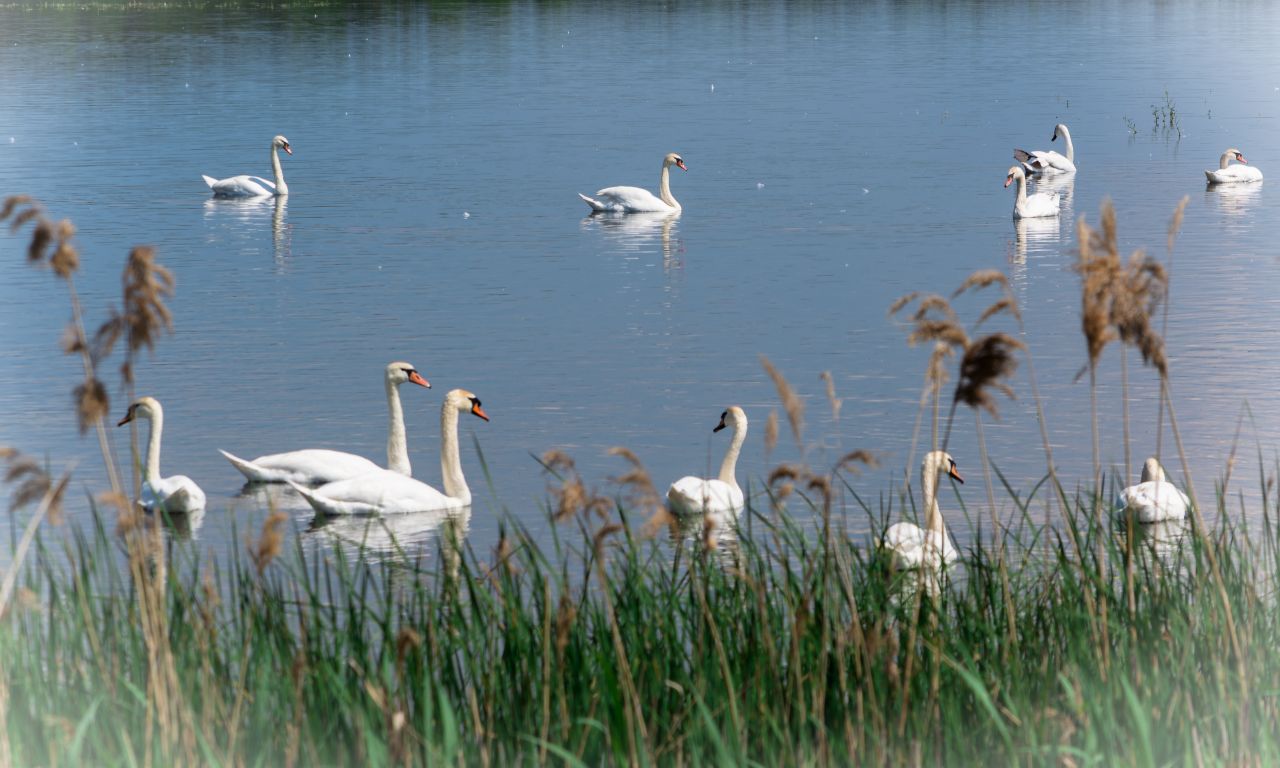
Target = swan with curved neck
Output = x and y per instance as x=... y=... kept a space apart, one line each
x=255 y=186
x=1227 y=174
x=318 y=465
x=1050 y=162
x=1154 y=499
x=175 y=494
x=912 y=546
x=694 y=495
x=635 y=199
x=385 y=492
x=1030 y=206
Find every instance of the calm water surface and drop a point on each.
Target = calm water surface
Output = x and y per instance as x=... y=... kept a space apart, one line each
x=840 y=156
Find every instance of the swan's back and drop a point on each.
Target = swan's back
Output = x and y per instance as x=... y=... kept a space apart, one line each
x=694 y=495
x=914 y=547
x=378 y=492
x=311 y=466
x=1155 y=500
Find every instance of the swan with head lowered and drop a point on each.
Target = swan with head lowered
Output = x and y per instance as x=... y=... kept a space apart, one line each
x=385 y=492
x=693 y=495
x=1030 y=206
x=1050 y=162
x=913 y=547
x=635 y=199
x=313 y=466
x=1154 y=499
x=255 y=186
x=174 y=494
x=1229 y=173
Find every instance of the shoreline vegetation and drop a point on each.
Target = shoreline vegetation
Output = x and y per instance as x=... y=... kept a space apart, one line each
x=1072 y=637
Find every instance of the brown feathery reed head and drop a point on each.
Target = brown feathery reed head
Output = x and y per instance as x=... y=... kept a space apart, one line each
x=985 y=363
x=1175 y=223
x=406 y=640
x=790 y=400
x=987 y=277
x=565 y=615
x=601 y=537
x=1140 y=288
x=836 y=402
x=770 y=435
x=937 y=372
x=128 y=515
x=571 y=496
x=788 y=475
x=850 y=461
x=933 y=320
x=640 y=493
x=92 y=403
x=268 y=546
x=1098 y=266
x=65 y=259
x=33 y=484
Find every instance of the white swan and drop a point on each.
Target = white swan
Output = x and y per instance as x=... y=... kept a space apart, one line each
x=386 y=492
x=1050 y=162
x=175 y=494
x=1030 y=206
x=1154 y=499
x=313 y=466
x=693 y=494
x=633 y=199
x=914 y=547
x=255 y=186
x=1229 y=173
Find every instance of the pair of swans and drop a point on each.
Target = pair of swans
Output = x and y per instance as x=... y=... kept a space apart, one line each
x=1154 y=499
x=1040 y=205
x=314 y=466
x=635 y=199
x=255 y=186
x=177 y=494
x=383 y=491
x=1227 y=174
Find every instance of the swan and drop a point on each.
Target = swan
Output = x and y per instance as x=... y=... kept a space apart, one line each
x=634 y=199
x=174 y=494
x=721 y=496
x=1030 y=206
x=1154 y=499
x=385 y=492
x=318 y=465
x=1229 y=173
x=1050 y=162
x=255 y=186
x=914 y=547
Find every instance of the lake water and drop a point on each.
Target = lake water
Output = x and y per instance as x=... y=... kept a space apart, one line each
x=839 y=155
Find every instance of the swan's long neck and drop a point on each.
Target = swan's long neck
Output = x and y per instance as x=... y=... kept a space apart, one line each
x=929 y=484
x=152 y=469
x=397 y=444
x=1226 y=158
x=729 y=467
x=1071 y=151
x=455 y=485
x=664 y=189
x=278 y=172
x=1021 y=201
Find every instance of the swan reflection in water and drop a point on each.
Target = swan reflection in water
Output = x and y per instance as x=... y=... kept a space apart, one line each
x=635 y=232
x=398 y=537
x=1039 y=237
x=1063 y=184
x=1234 y=200
x=182 y=526
x=253 y=211
x=714 y=535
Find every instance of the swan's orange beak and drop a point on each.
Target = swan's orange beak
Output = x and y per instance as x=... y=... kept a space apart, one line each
x=955 y=474
x=1009 y=180
x=681 y=164
x=1240 y=157
x=476 y=410
x=286 y=149
x=128 y=417
x=416 y=379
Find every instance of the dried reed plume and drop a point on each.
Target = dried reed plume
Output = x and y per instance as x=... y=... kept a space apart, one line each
x=850 y=461
x=571 y=496
x=31 y=483
x=770 y=435
x=836 y=402
x=790 y=401
x=65 y=259
x=986 y=361
x=640 y=494
x=145 y=315
x=268 y=546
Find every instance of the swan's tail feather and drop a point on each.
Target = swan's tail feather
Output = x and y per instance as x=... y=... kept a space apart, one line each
x=316 y=502
x=1208 y=175
x=209 y=180
x=252 y=472
x=596 y=205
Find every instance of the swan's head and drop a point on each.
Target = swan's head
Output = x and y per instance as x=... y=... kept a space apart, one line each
x=142 y=408
x=281 y=142
x=673 y=159
x=942 y=463
x=465 y=402
x=1015 y=172
x=732 y=417
x=1151 y=470
x=1236 y=154
x=399 y=373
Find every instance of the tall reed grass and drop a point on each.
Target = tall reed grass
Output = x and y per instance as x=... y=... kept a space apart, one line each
x=794 y=645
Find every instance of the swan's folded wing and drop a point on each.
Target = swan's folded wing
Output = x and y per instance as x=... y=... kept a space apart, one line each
x=1055 y=161
x=633 y=199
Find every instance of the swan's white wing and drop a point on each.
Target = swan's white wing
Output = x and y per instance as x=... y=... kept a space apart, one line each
x=1052 y=162
x=913 y=546
x=1235 y=173
x=380 y=492
x=177 y=494
x=1155 y=500
x=693 y=494
x=309 y=467
x=624 y=199
x=241 y=186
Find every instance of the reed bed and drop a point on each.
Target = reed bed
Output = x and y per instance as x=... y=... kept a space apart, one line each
x=1063 y=639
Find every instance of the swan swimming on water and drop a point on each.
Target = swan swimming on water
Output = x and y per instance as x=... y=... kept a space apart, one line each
x=913 y=547
x=693 y=495
x=1154 y=499
x=1027 y=206
x=175 y=494
x=634 y=199
x=255 y=186
x=1229 y=173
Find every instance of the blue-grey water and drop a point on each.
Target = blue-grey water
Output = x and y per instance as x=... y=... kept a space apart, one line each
x=839 y=155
